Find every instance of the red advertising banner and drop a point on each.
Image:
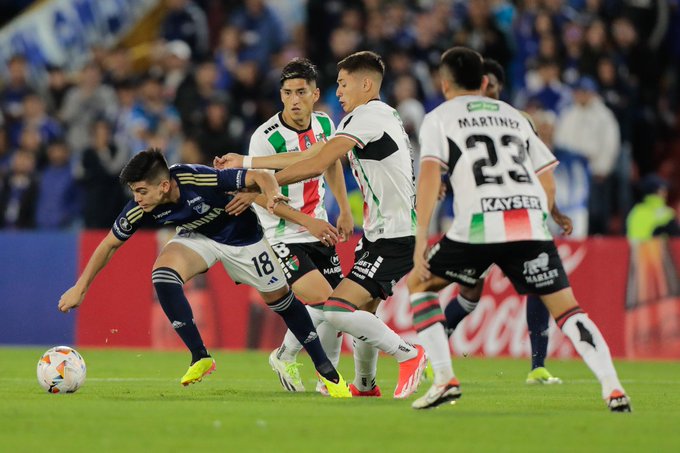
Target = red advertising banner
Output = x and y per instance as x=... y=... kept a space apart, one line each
x=121 y=311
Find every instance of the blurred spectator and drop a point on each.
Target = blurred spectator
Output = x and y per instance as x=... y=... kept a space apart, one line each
x=408 y=106
x=480 y=32
x=5 y=151
x=590 y=129
x=153 y=117
x=117 y=65
x=126 y=93
x=57 y=204
x=652 y=216
x=545 y=88
x=84 y=103
x=595 y=47
x=186 y=22
x=262 y=34
x=176 y=67
x=12 y=96
x=18 y=192
x=58 y=85
x=194 y=94
x=103 y=197
x=30 y=141
x=228 y=57
x=36 y=117
x=220 y=133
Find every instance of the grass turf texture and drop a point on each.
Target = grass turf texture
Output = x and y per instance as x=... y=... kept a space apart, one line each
x=132 y=401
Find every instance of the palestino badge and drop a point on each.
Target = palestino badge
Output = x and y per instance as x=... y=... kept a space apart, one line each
x=293 y=263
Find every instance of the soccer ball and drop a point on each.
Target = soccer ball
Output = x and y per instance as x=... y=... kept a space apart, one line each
x=61 y=370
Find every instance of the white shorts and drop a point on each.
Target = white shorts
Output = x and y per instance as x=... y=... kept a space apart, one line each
x=255 y=265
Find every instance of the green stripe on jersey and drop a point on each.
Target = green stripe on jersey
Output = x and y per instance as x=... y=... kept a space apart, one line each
x=278 y=142
x=477 y=228
x=325 y=124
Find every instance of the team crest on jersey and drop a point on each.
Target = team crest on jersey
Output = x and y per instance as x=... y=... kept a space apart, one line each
x=293 y=263
x=125 y=224
x=202 y=208
x=308 y=142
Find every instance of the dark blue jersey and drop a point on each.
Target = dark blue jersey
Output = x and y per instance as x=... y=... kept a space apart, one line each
x=203 y=196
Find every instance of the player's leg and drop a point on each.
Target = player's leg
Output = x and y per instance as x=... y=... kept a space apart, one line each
x=365 y=363
x=538 y=318
x=177 y=263
x=463 y=304
x=257 y=266
x=535 y=267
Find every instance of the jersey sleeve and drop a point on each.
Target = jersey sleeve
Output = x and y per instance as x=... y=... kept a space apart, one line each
x=259 y=145
x=204 y=176
x=360 y=127
x=433 y=144
x=128 y=221
x=539 y=154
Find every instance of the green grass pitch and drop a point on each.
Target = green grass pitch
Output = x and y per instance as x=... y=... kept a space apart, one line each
x=132 y=401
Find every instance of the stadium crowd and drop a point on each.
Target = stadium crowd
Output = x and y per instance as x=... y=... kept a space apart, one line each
x=599 y=77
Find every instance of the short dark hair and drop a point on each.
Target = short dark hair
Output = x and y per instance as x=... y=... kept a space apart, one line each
x=148 y=165
x=491 y=66
x=299 y=68
x=464 y=66
x=364 y=60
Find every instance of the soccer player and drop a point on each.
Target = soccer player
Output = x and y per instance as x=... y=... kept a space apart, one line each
x=502 y=175
x=193 y=198
x=373 y=138
x=537 y=315
x=304 y=244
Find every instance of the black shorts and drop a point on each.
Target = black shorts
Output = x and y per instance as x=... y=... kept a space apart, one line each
x=533 y=267
x=379 y=265
x=299 y=259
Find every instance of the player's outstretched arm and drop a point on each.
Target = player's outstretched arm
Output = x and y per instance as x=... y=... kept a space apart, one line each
x=272 y=162
x=268 y=186
x=310 y=168
x=336 y=182
x=429 y=182
x=547 y=180
x=74 y=296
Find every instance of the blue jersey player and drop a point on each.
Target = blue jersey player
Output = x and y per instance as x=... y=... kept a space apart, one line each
x=192 y=198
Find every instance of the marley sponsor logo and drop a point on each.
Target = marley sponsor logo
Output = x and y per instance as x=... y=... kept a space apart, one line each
x=538 y=272
x=510 y=203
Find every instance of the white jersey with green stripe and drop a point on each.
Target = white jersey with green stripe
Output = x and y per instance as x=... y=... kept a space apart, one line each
x=275 y=136
x=493 y=156
x=382 y=163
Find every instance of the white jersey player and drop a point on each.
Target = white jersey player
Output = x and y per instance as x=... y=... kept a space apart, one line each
x=504 y=190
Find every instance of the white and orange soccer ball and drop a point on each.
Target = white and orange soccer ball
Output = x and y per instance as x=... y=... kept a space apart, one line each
x=61 y=370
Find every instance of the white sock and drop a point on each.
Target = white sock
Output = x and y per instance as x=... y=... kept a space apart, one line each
x=592 y=347
x=331 y=339
x=468 y=305
x=427 y=319
x=365 y=365
x=367 y=327
x=290 y=347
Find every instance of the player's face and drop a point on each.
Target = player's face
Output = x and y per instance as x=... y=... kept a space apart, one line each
x=149 y=195
x=298 y=97
x=493 y=87
x=349 y=90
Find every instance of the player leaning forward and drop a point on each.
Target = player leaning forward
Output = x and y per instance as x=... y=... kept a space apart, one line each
x=193 y=197
x=498 y=169
x=373 y=138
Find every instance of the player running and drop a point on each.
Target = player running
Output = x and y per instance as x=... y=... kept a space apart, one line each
x=502 y=175
x=373 y=138
x=537 y=315
x=301 y=237
x=193 y=197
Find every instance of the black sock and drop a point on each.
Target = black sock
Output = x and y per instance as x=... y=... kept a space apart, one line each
x=537 y=321
x=298 y=321
x=171 y=296
x=456 y=311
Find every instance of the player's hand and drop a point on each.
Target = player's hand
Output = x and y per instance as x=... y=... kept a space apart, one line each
x=345 y=225
x=323 y=231
x=442 y=191
x=563 y=221
x=273 y=199
x=421 y=267
x=240 y=202
x=231 y=160
x=72 y=298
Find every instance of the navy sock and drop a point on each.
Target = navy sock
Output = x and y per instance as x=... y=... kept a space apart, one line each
x=457 y=309
x=169 y=288
x=299 y=322
x=538 y=318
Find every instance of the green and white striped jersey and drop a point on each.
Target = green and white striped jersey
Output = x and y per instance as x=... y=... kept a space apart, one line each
x=493 y=156
x=382 y=163
x=275 y=136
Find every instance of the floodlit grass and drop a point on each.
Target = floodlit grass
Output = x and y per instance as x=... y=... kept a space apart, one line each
x=132 y=401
